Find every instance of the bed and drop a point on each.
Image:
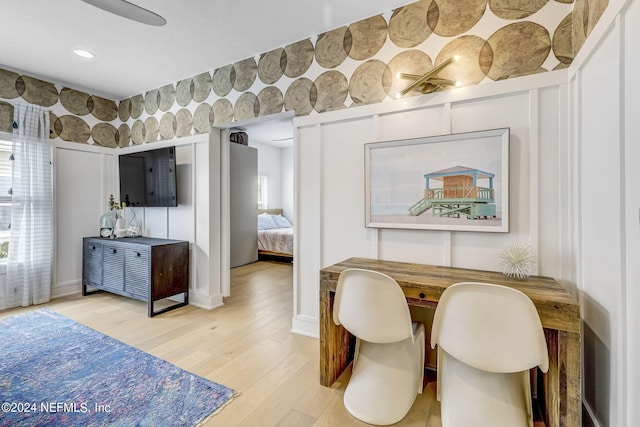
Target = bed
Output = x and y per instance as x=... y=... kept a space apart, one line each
x=275 y=235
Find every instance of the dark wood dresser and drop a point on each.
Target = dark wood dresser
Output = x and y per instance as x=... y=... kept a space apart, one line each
x=143 y=268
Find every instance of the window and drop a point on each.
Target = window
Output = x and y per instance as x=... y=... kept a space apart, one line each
x=263 y=192
x=5 y=194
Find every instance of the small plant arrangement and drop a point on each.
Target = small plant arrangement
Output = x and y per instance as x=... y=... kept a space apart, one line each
x=116 y=208
x=113 y=205
x=516 y=259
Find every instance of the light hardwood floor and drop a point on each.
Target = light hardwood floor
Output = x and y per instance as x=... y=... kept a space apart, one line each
x=246 y=345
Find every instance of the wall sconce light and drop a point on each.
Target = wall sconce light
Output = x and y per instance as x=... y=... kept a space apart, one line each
x=430 y=81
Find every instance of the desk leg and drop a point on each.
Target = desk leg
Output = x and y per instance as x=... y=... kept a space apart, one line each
x=563 y=390
x=569 y=345
x=336 y=343
x=552 y=380
x=327 y=376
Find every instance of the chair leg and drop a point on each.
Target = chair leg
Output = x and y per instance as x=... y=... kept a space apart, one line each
x=420 y=342
x=527 y=392
x=439 y=374
x=356 y=352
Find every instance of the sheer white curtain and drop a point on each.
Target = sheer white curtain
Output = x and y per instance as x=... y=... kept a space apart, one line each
x=30 y=258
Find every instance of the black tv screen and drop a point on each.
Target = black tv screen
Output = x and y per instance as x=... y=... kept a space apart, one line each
x=148 y=178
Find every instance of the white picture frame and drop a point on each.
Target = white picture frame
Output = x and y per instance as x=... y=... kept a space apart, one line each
x=457 y=182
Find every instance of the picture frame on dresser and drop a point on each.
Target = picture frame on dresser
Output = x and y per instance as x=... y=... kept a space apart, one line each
x=457 y=182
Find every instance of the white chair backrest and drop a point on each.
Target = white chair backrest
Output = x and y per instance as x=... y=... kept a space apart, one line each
x=490 y=327
x=372 y=307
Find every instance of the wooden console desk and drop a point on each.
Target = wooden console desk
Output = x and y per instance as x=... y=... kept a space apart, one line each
x=423 y=285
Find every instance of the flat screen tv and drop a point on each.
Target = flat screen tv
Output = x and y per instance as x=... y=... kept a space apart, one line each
x=148 y=178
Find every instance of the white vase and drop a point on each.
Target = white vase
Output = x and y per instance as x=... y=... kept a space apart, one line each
x=120 y=230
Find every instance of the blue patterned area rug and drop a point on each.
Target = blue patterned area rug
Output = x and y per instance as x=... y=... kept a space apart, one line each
x=54 y=371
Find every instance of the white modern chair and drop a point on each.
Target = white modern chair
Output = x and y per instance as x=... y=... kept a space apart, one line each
x=489 y=337
x=388 y=364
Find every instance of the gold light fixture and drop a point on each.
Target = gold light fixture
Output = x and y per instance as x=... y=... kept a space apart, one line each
x=430 y=81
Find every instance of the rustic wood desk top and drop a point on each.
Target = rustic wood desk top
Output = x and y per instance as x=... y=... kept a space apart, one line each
x=423 y=285
x=557 y=308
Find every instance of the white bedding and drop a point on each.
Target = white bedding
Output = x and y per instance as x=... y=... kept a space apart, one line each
x=276 y=240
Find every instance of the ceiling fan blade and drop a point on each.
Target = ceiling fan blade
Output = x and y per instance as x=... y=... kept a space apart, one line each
x=129 y=10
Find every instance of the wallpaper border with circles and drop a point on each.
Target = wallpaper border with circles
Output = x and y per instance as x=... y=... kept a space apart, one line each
x=353 y=65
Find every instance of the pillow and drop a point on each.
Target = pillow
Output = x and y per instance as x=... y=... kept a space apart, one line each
x=265 y=222
x=281 y=221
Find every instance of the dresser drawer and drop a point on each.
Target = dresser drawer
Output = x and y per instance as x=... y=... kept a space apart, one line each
x=137 y=277
x=113 y=267
x=92 y=263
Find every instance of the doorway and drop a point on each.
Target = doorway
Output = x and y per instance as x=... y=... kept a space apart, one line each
x=272 y=136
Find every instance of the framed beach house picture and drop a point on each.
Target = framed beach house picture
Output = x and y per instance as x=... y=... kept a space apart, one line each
x=448 y=182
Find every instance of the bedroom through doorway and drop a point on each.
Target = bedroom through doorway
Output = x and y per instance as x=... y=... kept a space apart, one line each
x=260 y=197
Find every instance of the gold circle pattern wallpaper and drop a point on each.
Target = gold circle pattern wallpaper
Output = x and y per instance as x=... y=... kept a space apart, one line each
x=353 y=65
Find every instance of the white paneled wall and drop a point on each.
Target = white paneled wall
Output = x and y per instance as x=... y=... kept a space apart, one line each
x=277 y=164
x=286 y=162
x=85 y=176
x=83 y=180
x=604 y=158
x=601 y=273
x=269 y=165
x=306 y=250
x=343 y=234
x=631 y=136
x=552 y=238
x=330 y=183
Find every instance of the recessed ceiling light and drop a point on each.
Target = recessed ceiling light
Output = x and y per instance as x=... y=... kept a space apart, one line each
x=83 y=53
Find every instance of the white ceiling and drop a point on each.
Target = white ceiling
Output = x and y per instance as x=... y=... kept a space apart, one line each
x=38 y=38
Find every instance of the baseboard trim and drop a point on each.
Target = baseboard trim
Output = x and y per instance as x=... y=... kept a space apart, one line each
x=593 y=421
x=305 y=325
x=205 y=302
x=66 y=288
